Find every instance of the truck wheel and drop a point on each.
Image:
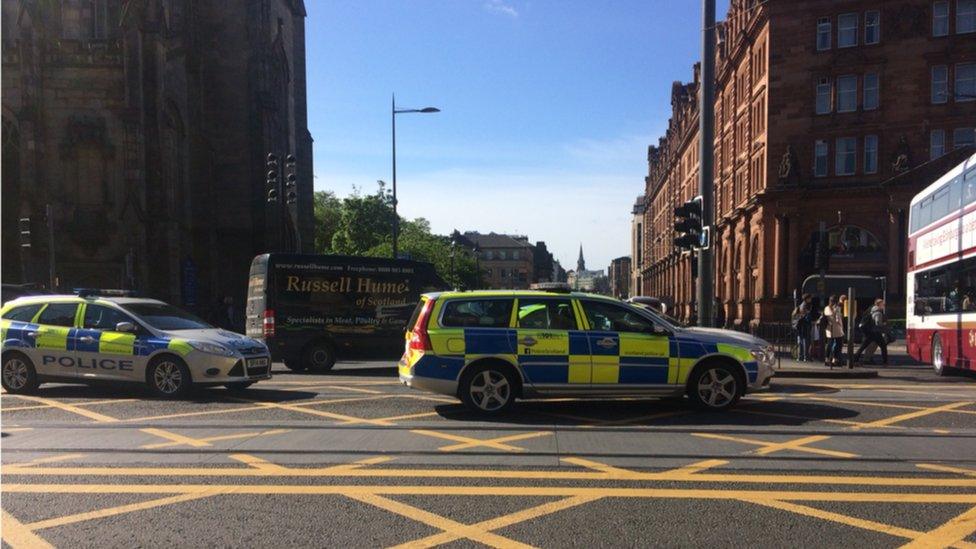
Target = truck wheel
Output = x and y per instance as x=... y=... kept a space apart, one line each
x=295 y=365
x=18 y=375
x=319 y=356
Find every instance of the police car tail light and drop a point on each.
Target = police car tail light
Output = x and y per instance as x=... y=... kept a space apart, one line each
x=419 y=340
x=268 y=323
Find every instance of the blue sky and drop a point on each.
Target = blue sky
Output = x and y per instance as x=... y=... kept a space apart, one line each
x=547 y=109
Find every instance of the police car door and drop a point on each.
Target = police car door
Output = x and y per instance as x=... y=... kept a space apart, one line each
x=552 y=351
x=103 y=351
x=628 y=350
x=54 y=339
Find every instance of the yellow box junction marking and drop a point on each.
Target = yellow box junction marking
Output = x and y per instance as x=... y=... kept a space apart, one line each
x=947 y=469
x=18 y=536
x=208 y=440
x=798 y=445
x=71 y=408
x=952 y=532
x=465 y=443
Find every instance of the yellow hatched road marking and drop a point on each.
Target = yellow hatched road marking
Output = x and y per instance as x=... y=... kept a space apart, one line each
x=615 y=472
x=121 y=509
x=49 y=459
x=70 y=408
x=449 y=526
x=947 y=469
x=836 y=480
x=409 y=416
x=915 y=414
x=770 y=447
x=258 y=463
x=92 y=403
x=844 y=519
x=17 y=535
x=174 y=437
x=503 y=521
x=890 y=405
x=500 y=440
x=321 y=413
x=698 y=467
x=952 y=532
x=495 y=490
x=191 y=414
x=809 y=418
x=218 y=438
x=17 y=429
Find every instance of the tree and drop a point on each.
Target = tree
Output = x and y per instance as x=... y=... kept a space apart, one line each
x=418 y=243
x=365 y=221
x=327 y=209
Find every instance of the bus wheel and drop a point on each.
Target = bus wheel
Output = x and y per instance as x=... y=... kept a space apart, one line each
x=938 y=357
x=319 y=356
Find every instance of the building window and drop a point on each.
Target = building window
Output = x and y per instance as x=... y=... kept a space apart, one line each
x=936 y=144
x=965 y=89
x=501 y=255
x=940 y=18
x=823 y=34
x=515 y=255
x=965 y=16
x=940 y=84
x=872 y=27
x=847 y=93
x=489 y=255
x=963 y=137
x=823 y=96
x=820 y=159
x=871 y=154
x=871 y=95
x=847 y=30
x=845 y=162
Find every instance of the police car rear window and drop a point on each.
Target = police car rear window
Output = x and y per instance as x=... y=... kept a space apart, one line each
x=23 y=314
x=58 y=314
x=477 y=313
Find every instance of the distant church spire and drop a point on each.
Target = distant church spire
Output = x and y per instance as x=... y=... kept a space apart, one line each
x=580 y=263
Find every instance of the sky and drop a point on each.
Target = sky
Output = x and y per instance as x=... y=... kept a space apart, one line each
x=547 y=109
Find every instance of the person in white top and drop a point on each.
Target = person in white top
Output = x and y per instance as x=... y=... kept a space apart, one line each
x=834 y=321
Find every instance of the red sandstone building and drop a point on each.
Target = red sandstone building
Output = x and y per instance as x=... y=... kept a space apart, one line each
x=827 y=111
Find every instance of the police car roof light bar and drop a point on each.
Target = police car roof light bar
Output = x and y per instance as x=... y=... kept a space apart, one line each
x=90 y=292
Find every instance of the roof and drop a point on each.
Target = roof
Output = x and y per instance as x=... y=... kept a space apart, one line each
x=495 y=240
x=70 y=298
x=932 y=170
x=515 y=293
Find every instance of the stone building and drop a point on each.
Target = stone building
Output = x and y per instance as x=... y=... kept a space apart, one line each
x=506 y=261
x=637 y=246
x=827 y=112
x=619 y=277
x=586 y=280
x=145 y=124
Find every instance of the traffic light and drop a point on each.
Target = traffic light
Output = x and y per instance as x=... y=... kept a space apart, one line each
x=24 y=226
x=688 y=225
x=272 y=178
x=291 y=183
x=821 y=255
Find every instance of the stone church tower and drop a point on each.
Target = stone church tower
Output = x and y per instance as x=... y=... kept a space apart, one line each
x=145 y=124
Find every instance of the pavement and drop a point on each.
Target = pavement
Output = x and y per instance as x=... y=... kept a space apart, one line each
x=354 y=459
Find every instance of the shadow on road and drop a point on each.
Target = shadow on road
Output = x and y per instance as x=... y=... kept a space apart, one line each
x=199 y=395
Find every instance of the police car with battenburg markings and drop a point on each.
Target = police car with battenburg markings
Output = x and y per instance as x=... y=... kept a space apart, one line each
x=488 y=348
x=106 y=335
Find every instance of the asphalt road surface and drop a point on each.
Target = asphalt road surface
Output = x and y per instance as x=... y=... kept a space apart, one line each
x=353 y=459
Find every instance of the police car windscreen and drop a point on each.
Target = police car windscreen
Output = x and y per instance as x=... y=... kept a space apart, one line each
x=166 y=317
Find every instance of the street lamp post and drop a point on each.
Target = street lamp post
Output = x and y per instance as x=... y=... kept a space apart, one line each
x=453 y=276
x=396 y=217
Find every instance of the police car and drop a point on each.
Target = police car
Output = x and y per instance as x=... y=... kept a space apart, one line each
x=488 y=348
x=94 y=336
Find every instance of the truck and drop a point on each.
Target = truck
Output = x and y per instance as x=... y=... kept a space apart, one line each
x=311 y=310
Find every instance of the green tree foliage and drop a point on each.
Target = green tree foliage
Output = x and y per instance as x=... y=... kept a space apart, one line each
x=363 y=225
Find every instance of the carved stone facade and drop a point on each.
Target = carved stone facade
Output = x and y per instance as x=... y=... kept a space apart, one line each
x=785 y=162
x=145 y=124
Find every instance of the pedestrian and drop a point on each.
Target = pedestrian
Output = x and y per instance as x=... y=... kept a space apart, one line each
x=802 y=323
x=834 y=331
x=874 y=326
x=719 y=313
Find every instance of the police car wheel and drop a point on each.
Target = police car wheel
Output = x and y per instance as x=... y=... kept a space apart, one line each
x=238 y=385
x=714 y=387
x=18 y=374
x=168 y=377
x=488 y=390
x=319 y=356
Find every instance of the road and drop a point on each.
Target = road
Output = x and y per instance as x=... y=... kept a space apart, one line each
x=353 y=459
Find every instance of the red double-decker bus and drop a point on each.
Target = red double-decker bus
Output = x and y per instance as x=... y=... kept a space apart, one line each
x=941 y=309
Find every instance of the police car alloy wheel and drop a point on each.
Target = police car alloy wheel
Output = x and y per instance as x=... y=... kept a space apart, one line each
x=938 y=356
x=714 y=387
x=169 y=377
x=488 y=390
x=18 y=375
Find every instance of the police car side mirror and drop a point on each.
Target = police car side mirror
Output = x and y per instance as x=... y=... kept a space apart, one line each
x=126 y=327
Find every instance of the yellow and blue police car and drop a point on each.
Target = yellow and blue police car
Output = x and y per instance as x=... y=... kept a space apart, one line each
x=93 y=336
x=488 y=348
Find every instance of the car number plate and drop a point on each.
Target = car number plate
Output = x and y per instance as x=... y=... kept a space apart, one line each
x=257 y=362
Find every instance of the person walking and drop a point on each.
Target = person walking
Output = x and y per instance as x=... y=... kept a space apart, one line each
x=874 y=326
x=801 y=321
x=833 y=331
x=719 y=313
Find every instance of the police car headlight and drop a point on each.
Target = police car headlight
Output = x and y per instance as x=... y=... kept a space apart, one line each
x=211 y=348
x=763 y=356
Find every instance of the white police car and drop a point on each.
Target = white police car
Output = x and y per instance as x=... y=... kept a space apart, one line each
x=92 y=336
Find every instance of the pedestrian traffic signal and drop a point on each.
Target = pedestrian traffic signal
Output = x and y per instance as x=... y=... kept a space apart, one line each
x=688 y=225
x=272 y=178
